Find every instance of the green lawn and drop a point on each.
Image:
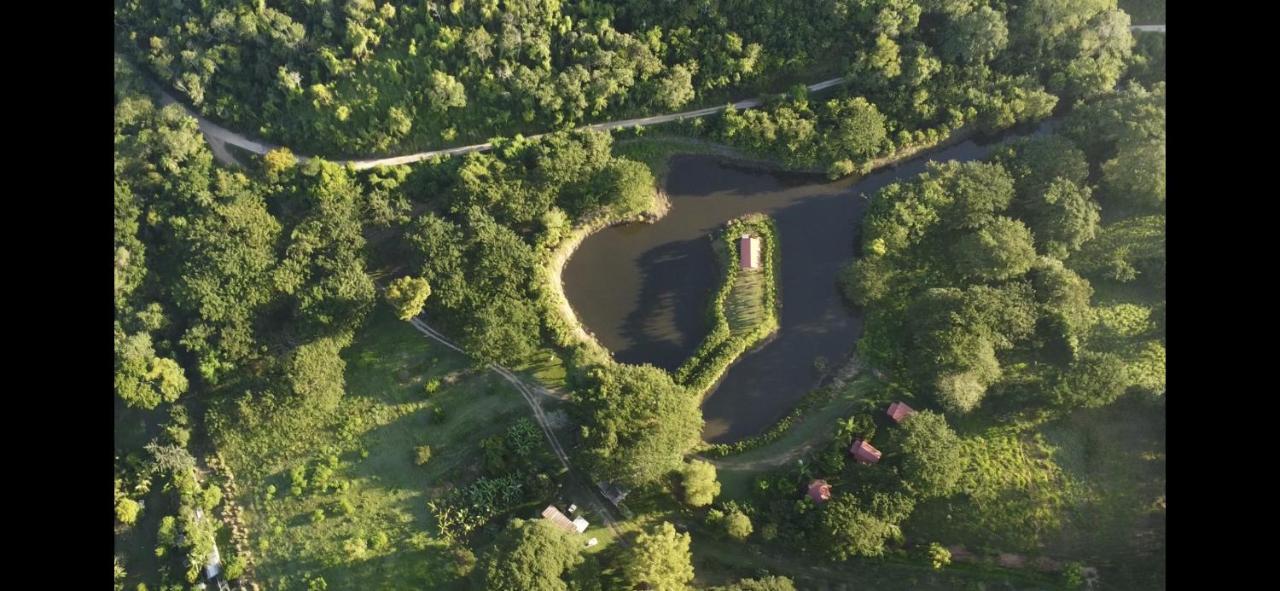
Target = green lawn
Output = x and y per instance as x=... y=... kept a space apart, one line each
x=369 y=441
x=738 y=472
x=745 y=307
x=1087 y=487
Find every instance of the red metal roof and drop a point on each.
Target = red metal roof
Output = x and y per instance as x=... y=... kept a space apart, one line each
x=864 y=452
x=819 y=491
x=899 y=410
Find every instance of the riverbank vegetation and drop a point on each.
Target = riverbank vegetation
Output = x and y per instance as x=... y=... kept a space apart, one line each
x=743 y=310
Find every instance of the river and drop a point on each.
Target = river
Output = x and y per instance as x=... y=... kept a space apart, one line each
x=643 y=289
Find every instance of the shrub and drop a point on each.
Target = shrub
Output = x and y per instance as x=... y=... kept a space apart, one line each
x=422 y=455
x=839 y=169
x=737 y=524
x=938 y=555
x=298 y=478
x=464 y=561
x=127 y=510
x=699 y=481
x=437 y=415
x=431 y=386
x=234 y=567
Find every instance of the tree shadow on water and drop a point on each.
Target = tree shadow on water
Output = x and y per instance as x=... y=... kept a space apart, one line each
x=677 y=279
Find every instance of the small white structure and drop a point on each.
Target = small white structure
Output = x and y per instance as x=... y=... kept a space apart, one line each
x=573 y=508
x=580 y=524
x=749 y=252
x=592 y=542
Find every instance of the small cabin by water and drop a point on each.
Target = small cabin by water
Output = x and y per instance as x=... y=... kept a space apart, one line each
x=899 y=411
x=819 y=491
x=749 y=252
x=863 y=452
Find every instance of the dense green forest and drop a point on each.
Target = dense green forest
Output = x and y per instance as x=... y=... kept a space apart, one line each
x=258 y=309
x=359 y=78
x=979 y=276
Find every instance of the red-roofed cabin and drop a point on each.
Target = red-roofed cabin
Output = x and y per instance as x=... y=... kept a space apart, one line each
x=863 y=452
x=749 y=252
x=899 y=410
x=819 y=491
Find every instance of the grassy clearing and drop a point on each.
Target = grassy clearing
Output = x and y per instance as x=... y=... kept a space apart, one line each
x=1144 y=12
x=745 y=307
x=738 y=472
x=376 y=530
x=1087 y=487
x=718 y=562
x=656 y=152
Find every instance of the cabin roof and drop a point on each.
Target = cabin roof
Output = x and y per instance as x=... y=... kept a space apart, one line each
x=552 y=514
x=864 y=452
x=898 y=411
x=819 y=491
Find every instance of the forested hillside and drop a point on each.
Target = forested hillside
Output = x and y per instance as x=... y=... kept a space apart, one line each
x=362 y=78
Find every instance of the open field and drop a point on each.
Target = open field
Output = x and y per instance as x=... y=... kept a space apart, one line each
x=1144 y=12
x=373 y=534
x=738 y=472
x=1086 y=487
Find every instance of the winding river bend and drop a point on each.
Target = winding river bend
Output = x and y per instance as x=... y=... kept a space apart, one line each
x=643 y=289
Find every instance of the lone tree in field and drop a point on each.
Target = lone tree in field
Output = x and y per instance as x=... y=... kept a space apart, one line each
x=407 y=295
x=660 y=561
x=531 y=556
x=700 y=485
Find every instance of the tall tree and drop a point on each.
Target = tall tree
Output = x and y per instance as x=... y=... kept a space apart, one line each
x=638 y=423
x=932 y=460
x=531 y=556
x=144 y=379
x=659 y=560
x=407 y=295
x=698 y=479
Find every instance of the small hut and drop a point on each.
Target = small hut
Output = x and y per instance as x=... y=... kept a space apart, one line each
x=749 y=252
x=612 y=491
x=863 y=452
x=899 y=411
x=819 y=491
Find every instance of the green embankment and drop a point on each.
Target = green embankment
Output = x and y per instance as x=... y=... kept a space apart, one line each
x=744 y=311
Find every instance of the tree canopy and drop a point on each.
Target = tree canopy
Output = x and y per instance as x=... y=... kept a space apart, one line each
x=659 y=560
x=531 y=555
x=638 y=423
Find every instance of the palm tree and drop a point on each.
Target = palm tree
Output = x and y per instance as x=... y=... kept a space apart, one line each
x=845 y=428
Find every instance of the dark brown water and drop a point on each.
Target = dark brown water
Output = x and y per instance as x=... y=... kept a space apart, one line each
x=643 y=289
